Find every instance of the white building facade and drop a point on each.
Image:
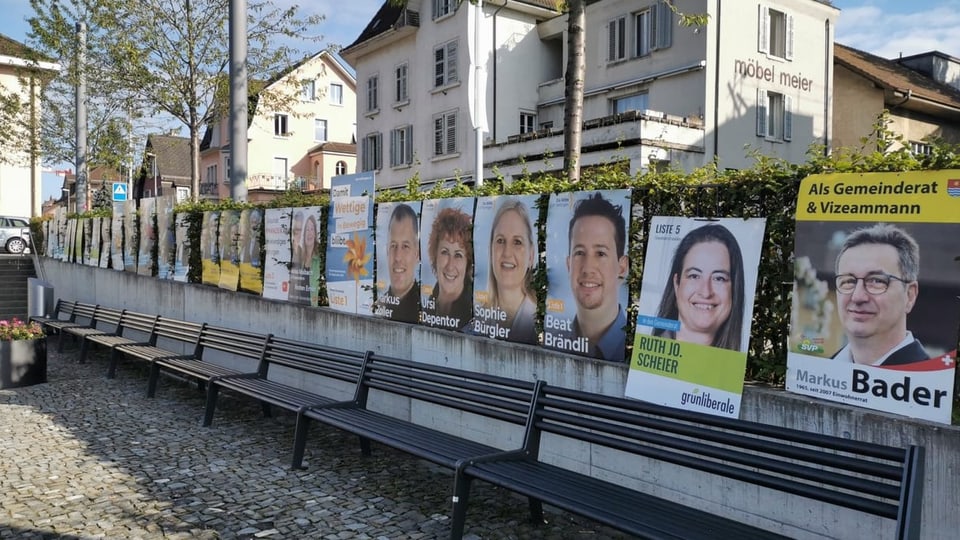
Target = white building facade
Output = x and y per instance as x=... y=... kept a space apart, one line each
x=656 y=93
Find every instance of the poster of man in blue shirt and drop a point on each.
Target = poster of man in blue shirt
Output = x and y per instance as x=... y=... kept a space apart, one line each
x=587 y=269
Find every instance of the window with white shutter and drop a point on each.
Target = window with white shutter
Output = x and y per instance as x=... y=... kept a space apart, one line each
x=401 y=146
x=774 y=116
x=445 y=64
x=775 y=33
x=445 y=133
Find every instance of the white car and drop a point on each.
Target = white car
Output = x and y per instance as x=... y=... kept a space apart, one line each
x=14 y=234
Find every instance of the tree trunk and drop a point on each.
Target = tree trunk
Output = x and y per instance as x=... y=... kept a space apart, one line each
x=573 y=105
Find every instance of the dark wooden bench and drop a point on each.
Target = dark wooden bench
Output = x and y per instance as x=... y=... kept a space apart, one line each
x=130 y=321
x=238 y=344
x=104 y=321
x=870 y=478
x=62 y=311
x=505 y=401
x=83 y=315
x=298 y=359
x=170 y=337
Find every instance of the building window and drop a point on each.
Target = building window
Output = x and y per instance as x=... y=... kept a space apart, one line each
x=309 y=91
x=371 y=152
x=401 y=86
x=373 y=93
x=445 y=133
x=442 y=7
x=652 y=29
x=401 y=146
x=633 y=102
x=319 y=129
x=616 y=39
x=336 y=93
x=445 y=64
x=774 y=116
x=211 y=174
x=183 y=193
x=280 y=125
x=776 y=33
x=921 y=148
x=226 y=170
x=528 y=122
x=341 y=168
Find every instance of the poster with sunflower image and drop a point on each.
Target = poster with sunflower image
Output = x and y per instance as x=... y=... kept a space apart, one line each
x=349 y=264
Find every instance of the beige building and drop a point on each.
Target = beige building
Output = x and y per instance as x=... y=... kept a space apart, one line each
x=299 y=147
x=922 y=108
x=22 y=77
x=757 y=76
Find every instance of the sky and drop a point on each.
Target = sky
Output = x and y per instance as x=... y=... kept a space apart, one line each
x=887 y=28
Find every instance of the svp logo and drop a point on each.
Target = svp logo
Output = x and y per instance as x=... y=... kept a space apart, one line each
x=810 y=347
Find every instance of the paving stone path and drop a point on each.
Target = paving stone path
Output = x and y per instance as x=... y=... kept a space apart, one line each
x=86 y=457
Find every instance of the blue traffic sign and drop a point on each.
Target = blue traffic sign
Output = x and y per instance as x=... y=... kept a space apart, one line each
x=119 y=191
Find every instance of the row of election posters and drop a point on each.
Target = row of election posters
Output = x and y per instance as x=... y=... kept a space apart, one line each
x=870 y=325
x=876 y=294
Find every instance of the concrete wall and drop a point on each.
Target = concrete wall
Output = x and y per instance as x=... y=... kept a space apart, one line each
x=789 y=515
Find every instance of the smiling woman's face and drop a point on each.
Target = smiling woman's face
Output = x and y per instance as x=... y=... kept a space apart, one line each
x=704 y=290
x=451 y=267
x=511 y=251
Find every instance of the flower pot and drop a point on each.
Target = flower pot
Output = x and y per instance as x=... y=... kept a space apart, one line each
x=23 y=362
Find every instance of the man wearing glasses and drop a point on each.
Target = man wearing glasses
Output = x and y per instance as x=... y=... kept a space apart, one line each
x=876 y=287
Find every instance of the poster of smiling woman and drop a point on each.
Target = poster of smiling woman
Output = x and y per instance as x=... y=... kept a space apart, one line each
x=505 y=249
x=695 y=309
x=875 y=296
x=446 y=245
x=587 y=269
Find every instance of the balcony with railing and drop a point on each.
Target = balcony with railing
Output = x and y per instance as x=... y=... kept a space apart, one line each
x=277 y=182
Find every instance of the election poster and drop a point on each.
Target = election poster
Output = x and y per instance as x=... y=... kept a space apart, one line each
x=78 y=240
x=130 y=236
x=228 y=244
x=105 y=244
x=209 y=251
x=506 y=257
x=70 y=239
x=694 y=313
x=181 y=266
x=587 y=270
x=91 y=251
x=166 y=236
x=148 y=236
x=398 y=261
x=876 y=292
x=276 y=253
x=349 y=268
x=446 y=245
x=305 y=270
x=116 y=237
x=251 y=230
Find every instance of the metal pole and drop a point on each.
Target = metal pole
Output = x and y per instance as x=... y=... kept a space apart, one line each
x=81 y=117
x=238 y=100
x=477 y=96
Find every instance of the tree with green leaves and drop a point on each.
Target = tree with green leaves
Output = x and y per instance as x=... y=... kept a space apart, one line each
x=166 y=58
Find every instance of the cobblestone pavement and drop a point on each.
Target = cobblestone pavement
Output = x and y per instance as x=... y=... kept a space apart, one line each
x=85 y=457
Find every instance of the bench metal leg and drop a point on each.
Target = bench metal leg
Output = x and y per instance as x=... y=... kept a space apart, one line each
x=152 y=381
x=212 y=391
x=267 y=411
x=84 y=344
x=114 y=360
x=365 y=446
x=60 y=341
x=300 y=441
x=536 y=511
x=461 y=495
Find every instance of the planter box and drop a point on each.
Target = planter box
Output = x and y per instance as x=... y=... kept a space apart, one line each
x=23 y=363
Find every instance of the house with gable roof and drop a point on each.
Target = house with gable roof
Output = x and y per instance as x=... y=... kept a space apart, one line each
x=299 y=147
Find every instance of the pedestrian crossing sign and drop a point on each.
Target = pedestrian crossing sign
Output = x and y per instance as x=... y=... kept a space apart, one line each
x=119 y=191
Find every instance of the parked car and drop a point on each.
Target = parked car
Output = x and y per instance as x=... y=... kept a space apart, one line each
x=14 y=234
